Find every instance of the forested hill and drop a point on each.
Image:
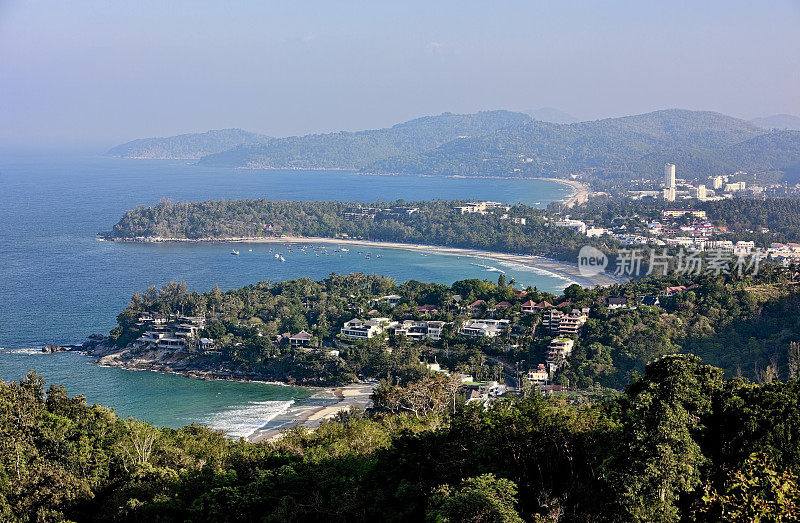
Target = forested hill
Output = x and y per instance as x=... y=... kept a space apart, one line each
x=356 y=150
x=700 y=143
x=186 y=146
x=503 y=143
x=431 y=223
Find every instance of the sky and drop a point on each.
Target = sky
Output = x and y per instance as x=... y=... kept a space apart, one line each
x=97 y=73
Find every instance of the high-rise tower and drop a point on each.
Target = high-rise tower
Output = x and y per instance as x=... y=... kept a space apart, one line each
x=669 y=175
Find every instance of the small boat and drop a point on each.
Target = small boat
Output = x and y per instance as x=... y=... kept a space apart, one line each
x=283 y=259
x=249 y=250
x=234 y=252
x=277 y=255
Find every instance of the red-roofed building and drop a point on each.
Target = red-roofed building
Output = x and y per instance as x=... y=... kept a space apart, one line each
x=529 y=306
x=425 y=309
x=671 y=291
x=502 y=305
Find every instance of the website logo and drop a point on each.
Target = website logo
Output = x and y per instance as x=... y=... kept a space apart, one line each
x=591 y=261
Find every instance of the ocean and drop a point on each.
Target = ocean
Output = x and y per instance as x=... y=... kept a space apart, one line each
x=58 y=283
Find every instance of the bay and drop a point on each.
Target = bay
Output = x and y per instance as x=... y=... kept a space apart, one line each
x=58 y=284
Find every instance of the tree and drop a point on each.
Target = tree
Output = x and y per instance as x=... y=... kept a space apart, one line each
x=663 y=413
x=138 y=443
x=794 y=359
x=755 y=493
x=484 y=498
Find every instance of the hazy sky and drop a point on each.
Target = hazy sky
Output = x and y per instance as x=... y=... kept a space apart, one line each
x=100 y=72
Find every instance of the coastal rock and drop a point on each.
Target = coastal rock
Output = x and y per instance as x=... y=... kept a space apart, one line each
x=50 y=349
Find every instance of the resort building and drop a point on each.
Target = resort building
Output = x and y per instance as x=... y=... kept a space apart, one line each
x=484 y=327
x=391 y=300
x=171 y=343
x=480 y=207
x=572 y=224
x=539 y=375
x=565 y=324
x=616 y=302
x=558 y=351
x=420 y=329
x=301 y=339
x=357 y=329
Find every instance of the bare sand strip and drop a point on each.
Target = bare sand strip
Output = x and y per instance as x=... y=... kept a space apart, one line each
x=580 y=194
x=319 y=407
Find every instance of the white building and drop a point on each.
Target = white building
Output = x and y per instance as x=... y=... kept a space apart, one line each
x=420 y=329
x=486 y=327
x=480 y=207
x=701 y=193
x=392 y=300
x=356 y=329
x=669 y=175
x=572 y=224
x=594 y=232
x=558 y=350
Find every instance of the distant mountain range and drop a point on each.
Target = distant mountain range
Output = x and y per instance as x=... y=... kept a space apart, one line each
x=186 y=146
x=778 y=121
x=356 y=150
x=504 y=143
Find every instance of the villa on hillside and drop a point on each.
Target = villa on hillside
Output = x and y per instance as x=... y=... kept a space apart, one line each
x=484 y=327
x=420 y=329
x=616 y=302
x=539 y=375
x=565 y=324
x=357 y=329
x=181 y=333
x=301 y=339
x=558 y=350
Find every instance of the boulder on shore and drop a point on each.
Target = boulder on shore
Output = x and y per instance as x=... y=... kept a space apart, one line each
x=52 y=348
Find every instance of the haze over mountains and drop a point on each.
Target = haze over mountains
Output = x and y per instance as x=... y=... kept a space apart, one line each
x=504 y=143
x=778 y=121
x=186 y=146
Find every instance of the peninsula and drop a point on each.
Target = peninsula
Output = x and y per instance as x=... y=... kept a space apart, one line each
x=519 y=234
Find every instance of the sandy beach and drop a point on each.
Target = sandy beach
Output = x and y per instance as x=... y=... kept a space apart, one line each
x=312 y=411
x=578 y=197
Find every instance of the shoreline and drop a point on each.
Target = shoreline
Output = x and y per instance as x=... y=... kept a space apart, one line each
x=312 y=411
x=547 y=266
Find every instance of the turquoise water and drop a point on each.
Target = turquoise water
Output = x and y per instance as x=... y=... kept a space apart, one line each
x=58 y=284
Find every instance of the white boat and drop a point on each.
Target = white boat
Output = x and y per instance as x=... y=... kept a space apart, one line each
x=283 y=259
x=234 y=252
x=277 y=255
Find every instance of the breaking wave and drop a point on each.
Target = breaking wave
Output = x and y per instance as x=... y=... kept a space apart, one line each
x=241 y=421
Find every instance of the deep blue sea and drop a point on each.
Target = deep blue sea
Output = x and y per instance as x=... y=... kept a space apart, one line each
x=58 y=284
